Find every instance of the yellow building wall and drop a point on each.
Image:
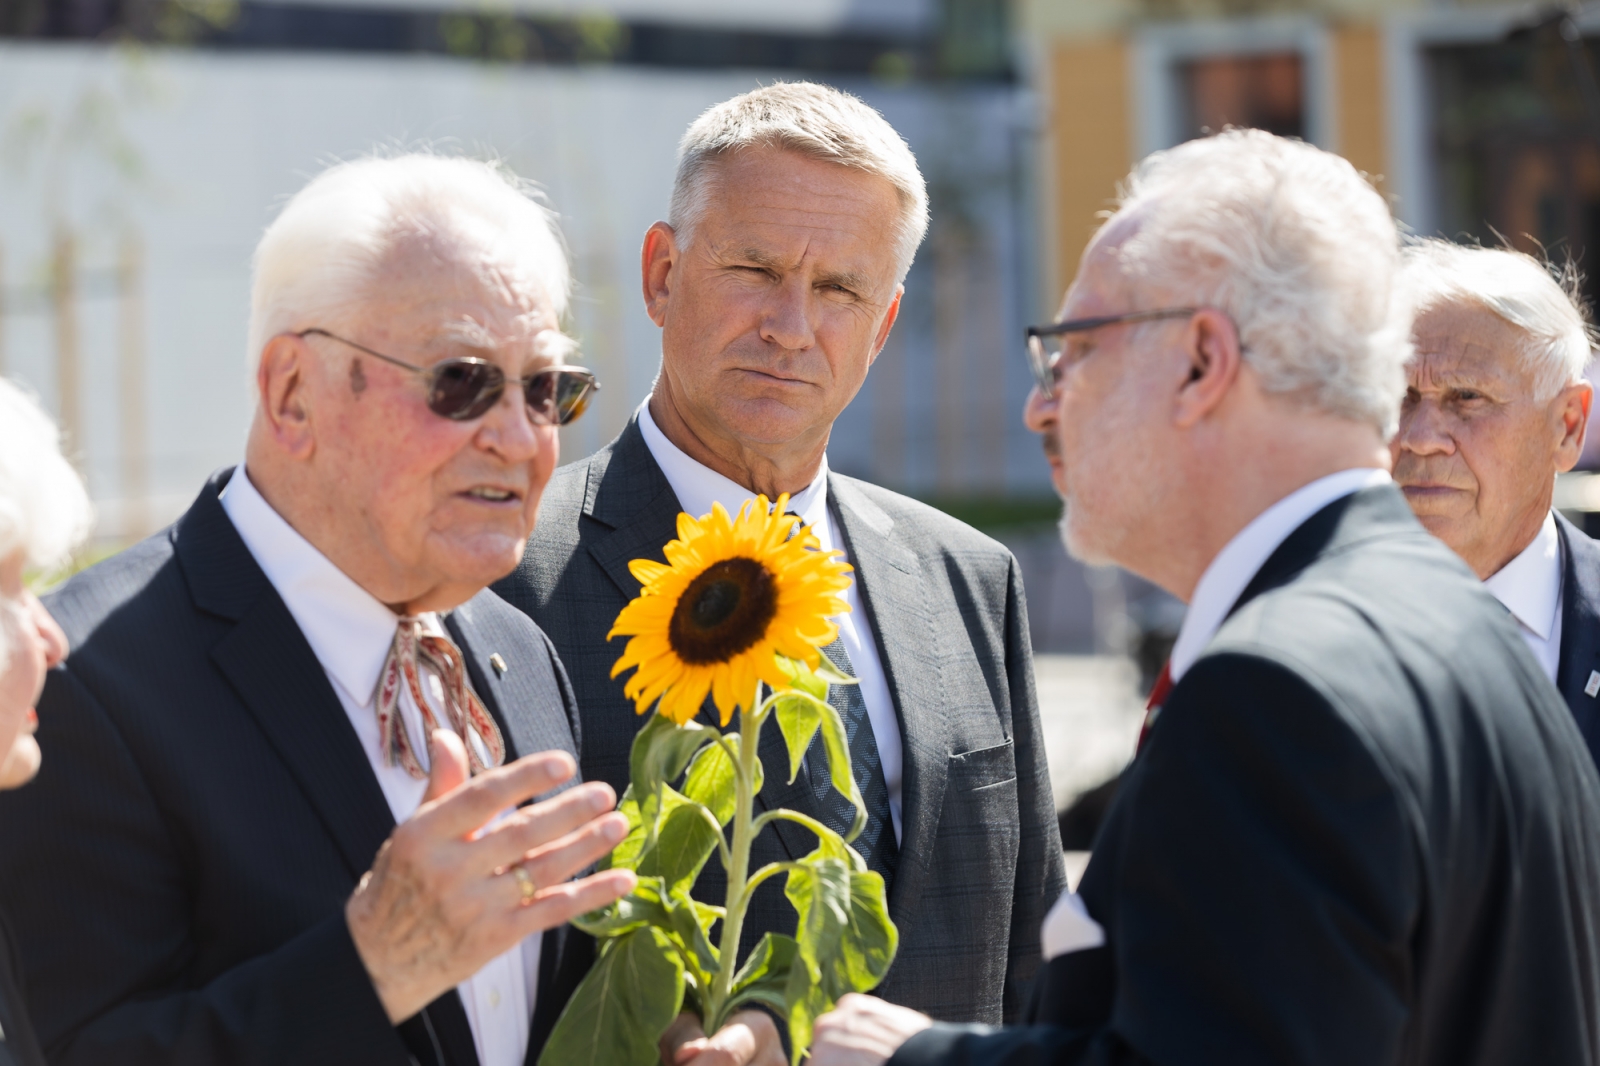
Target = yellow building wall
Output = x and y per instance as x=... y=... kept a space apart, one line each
x=1358 y=70
x=1091 y=124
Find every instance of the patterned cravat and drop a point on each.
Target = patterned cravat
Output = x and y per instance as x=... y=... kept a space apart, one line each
x=412 y=649
x=876 y=842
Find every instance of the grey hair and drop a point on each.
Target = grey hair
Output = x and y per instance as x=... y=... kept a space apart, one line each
x=1543 y=301
x=811 y=120
x=1297 y=248
x=44 y=510
x=319 y=258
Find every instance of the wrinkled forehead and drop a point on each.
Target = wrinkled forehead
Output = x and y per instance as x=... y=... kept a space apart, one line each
x=1460 y=343
x=456 y=300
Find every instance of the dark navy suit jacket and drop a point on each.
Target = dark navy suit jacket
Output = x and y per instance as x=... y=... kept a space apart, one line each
x=177 y=873
x=1363 y=830
x=1580 y=630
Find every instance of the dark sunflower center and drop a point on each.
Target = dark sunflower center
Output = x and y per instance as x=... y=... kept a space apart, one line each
x=723 y=611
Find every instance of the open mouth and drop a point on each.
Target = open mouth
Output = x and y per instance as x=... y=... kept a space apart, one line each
x=492 y=495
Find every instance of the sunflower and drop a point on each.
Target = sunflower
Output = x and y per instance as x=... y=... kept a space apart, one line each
x=734 y=595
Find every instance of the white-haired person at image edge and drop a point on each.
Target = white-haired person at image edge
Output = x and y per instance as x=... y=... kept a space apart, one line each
x=285 y=816
x=1361 y=826
x=44 y=513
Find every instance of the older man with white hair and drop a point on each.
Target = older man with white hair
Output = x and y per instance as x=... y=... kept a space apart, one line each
x=1359 y=830
x=44 y=514
x=283 y=816
x=795 y=215
x=1496 y=406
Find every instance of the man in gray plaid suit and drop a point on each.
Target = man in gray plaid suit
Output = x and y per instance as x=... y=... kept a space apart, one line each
x=795 y=215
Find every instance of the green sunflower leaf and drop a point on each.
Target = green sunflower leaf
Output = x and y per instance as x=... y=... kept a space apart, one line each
x=832 y=675
x=819 y=889
x=845 y=940
x=799 y=715
x=801 y=676
x=711 y=779
x=638 y=908
x=660 y=752
x=625 y=856
x=684 y=842
x=617 y=1015
x=764 y=977
x=684 y=917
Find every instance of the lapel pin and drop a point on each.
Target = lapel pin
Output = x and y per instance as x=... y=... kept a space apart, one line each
x=1593 y=687
x=499 y=665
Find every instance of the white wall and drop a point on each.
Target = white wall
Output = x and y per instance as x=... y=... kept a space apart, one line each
x=194 y=151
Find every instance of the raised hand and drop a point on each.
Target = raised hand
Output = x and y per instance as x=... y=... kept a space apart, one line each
x=442 y=898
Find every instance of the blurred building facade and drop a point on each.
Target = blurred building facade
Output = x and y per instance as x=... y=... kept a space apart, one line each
x=144 y=145
x=1476 y=119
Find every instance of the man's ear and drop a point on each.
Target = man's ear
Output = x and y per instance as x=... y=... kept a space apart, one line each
x=888 y=323
x=1212 y=344
x=1572 y=406
x=656 y=260
x=283 y=382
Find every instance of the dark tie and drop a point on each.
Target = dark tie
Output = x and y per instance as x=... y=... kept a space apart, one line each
x=876 y=843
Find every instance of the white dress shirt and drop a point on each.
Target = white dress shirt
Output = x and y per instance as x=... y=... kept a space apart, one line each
x=698 y=486
x=350 y=632
x=1069 y=926
x=1530 y=588
x=1236 y=564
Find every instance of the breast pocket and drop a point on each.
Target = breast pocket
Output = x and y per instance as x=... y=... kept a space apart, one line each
x=983 y=768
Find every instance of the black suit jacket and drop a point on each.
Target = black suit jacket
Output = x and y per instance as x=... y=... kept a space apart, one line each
x=18 y=1045
x=1580 y=629
x=178 y=871
x=1362 y=831
x=980 y=854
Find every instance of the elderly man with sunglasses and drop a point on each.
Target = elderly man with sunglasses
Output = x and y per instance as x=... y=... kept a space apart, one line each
x=287 y=817
x=1362 y=828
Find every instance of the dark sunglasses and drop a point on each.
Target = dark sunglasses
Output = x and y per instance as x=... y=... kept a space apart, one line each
x=462 y=389
x=1045 y=343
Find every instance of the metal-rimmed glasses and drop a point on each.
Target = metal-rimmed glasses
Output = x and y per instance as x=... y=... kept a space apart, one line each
x=463 y=388
x=1046 y=343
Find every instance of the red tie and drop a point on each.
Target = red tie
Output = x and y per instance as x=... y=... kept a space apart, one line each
x=1158 y=696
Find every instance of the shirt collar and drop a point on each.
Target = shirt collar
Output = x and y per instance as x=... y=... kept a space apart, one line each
x=1230 y=572
x=1530 y=584
x=349 y=630
x=697 y=486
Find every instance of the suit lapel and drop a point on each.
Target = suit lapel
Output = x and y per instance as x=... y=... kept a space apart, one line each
x=528 y=718
x=279 y=680
x=1580 y=628
x=628 y=493
x=896 y=604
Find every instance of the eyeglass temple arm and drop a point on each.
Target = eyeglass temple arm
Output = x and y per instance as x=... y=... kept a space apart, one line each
x=1078 y=325
x=391 y=360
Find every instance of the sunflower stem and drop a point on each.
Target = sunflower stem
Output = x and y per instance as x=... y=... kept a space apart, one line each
x=744 y=831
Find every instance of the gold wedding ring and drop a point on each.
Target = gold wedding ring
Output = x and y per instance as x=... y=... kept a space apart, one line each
x=526 y=883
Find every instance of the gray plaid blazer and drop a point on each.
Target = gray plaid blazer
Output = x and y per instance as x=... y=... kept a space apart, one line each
x=980 y=857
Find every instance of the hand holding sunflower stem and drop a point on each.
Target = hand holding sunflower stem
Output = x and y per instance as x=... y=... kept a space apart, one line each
x=742 y=603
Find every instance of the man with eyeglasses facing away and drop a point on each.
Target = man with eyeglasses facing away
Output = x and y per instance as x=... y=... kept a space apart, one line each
x=795 y=214
x=283 y=817
x=1362 y=828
